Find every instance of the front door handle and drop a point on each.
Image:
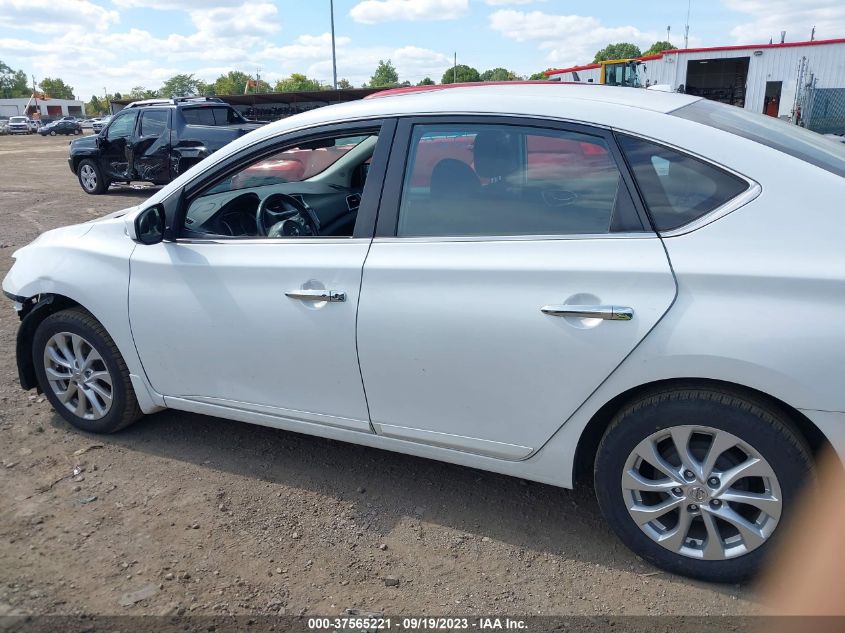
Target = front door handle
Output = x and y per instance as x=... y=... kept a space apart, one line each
x=333 y=296
x=609 y=313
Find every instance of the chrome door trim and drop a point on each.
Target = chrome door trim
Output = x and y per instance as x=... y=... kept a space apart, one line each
x=719 y=212
x=332 y=296
x=606 y=312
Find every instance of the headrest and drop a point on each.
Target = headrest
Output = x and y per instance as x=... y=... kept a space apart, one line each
x=451 y=177
x=495 y=154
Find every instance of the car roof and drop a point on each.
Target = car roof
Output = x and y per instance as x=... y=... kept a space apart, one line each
x=596 y=104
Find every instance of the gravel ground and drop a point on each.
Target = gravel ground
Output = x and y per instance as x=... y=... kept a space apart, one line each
x=190 y=514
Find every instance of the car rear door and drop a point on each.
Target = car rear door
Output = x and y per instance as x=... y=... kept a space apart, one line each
x=508 y=278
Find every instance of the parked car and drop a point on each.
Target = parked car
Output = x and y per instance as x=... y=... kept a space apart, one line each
x=4 y=125
x=34 y=125
x=87 y=124
x=155 y=141
x=562 y=283
x=62 y=126
x=99 y=123
x=19 y=125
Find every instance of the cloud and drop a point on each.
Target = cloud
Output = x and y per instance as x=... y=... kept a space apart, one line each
x=797 y=18
x=569 y=39
x=501 y=3
x=250 y=19
x=312 y=55
x=184 y=5
x=375 y=11
x=49 y=16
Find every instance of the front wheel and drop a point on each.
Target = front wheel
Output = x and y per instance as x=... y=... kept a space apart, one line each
x=91 y=178
x=82 y=373
x=698 y=481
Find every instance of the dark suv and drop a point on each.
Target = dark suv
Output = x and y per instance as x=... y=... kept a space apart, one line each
x=154 y=141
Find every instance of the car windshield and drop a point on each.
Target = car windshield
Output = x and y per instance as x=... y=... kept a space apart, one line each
x=780 y=135
x=17 y=119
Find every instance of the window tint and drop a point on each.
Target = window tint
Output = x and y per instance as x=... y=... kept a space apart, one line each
x=491 y=180
x=780 y=135
x=205 y=115
x=677 y=188
x=122 y=125
x=153 y=122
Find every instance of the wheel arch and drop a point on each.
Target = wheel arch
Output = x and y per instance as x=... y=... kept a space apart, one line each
x=588 y=443
x=35 y=310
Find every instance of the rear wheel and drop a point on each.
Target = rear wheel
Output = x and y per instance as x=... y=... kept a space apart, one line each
x=52 y=132
x=91 y=177
x=82 y=373
x=698 y=481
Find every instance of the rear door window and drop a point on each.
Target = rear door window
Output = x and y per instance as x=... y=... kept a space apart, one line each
x=676 y=187
x=490 y=179
x=153 y=122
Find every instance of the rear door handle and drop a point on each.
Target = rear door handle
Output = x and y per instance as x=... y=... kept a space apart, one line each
x=609 y=313
x=333 y=296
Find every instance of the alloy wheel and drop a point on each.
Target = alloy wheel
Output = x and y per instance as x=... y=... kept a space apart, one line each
x=701 y=492
x=78 y=376
x=88 y=177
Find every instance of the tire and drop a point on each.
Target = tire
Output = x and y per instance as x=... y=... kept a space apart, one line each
x=91 y=178
x=74 y=335
x=697 y=540
x=52 y=132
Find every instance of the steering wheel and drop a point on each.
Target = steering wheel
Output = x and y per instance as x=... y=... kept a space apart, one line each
x=289 y=217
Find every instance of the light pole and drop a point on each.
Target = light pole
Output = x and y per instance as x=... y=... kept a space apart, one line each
x=334 y=57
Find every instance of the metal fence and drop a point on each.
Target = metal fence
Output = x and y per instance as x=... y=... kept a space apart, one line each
x=824 y=110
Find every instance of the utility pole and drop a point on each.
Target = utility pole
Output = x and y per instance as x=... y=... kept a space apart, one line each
x=813 y=33
x=334 y=56
x=686 y=28
x=455 y=69
x=668 y=31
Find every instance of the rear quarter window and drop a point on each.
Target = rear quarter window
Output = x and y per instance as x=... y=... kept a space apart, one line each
x=677 y=188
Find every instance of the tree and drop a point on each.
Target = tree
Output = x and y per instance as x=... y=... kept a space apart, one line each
x=460 y=74
x=659 y=47
x=385 y=75
x=621 y=50
x=13 y=83
x=232 y=83
x=499 y=74
x=56 y=88
x=139 y=92
x=343 y=84
x=185 y=85
x=539 y=76
x=426 y=82
x=298 y=82
x=96 y=106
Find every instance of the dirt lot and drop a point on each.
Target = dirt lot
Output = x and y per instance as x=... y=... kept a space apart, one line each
x=203 y=515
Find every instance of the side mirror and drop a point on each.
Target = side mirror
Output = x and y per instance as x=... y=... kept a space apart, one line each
x=149 y=225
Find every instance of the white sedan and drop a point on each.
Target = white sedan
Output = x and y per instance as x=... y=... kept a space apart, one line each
x=561 y=283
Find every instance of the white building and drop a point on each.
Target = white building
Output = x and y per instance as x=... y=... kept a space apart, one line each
x=788 y=80
x=46 y=108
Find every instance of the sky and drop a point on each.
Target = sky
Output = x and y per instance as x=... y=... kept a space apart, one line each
x=115 y=45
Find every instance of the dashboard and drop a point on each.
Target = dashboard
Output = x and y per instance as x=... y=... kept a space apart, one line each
x=233 y=213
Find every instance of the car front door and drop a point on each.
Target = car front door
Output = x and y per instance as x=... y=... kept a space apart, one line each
x=113 y=144
x=511 y=273
x=149 y=154
x=236 y=321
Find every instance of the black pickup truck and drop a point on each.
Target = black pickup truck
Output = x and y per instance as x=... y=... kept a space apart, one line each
x=154 y=141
